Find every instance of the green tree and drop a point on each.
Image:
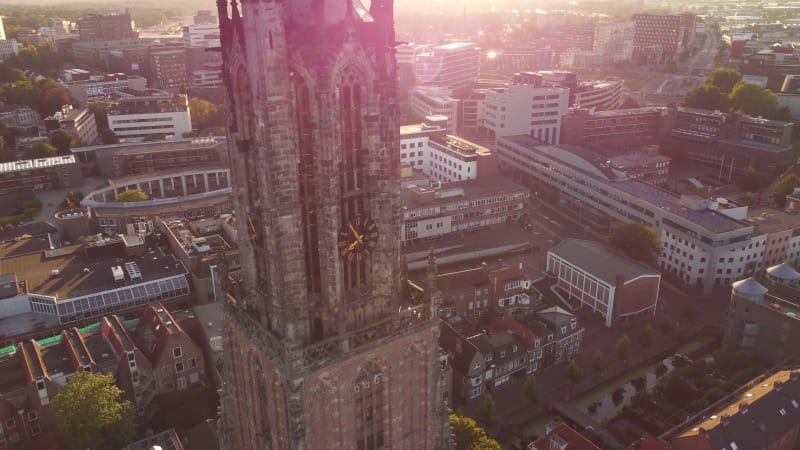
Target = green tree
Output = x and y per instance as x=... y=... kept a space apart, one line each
x=724 y=79
x=467 y=435
x=487 y=410
x=688 y=312
x=707 y=97
x=52 y=96
x=532 y=390
x=108 y=137
x=784 y=187
x=636 y=240
x=748 y=198
x=748 y=180
x=62 y=140
x=623 y=348
x=646 y=336
x=753 y=100
x=599 y=361
x=205 y=114
x=133 y=195
x=41 y=150
x=100 y=111
x=574 y=372
x=90 y=412
x=665 y=327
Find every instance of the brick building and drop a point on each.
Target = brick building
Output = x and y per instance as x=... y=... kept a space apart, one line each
x=39 y=174
x=106 y=27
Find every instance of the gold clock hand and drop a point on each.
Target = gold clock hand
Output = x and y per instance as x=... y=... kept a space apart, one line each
x=355 y=233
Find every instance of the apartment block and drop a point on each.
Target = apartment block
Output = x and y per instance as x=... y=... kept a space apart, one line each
x=39 y=174
x=106 y=27
x=526 y=109
x=78 y=122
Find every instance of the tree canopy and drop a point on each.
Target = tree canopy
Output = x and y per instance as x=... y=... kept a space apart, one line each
x=40 y=150
x=467 y=435
x=723 y=79
x=205 y=114
x=133 y=195
x=752 y=99
x=574 y=372
x=646 y=336
x=598 y=361
x=623 y=347
x=532 y=390
x=62 y=140
x=636 y=240
x=487 y=410
x=707 y=97
x=89 y=412
x=784 y=187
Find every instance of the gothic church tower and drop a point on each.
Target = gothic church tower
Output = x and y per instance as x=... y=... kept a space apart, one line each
x=321 y=350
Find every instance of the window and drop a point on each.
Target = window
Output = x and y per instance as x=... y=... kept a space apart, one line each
x=192 y=363
x=11 y=424
x=33 y=416
x=166 y=371
x=178 y=367
x=176 y=352
x=36 y=430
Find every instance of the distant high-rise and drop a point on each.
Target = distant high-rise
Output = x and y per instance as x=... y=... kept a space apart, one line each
x=105 y=27
x=656 y=37
x=2 y=30
x=322 y=348
x=452 y=65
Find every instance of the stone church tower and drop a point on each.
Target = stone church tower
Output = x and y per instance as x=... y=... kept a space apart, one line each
x=322 y=351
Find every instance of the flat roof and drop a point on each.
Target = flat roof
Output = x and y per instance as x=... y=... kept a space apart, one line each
x=135 y=148
x=575 y=157
x=73 y=280
x=599 y=260
x=463 y=190
x=39 y=163
x=767 y=219
x=627 y=112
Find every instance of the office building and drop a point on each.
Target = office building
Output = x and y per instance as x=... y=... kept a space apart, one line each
x=101 y=87
x=40 y=174
x=618 y=288
x=599 y=94
x=8 y=48
x=138 y=114
x=614 y=40
x=205 y=35
x=707 y=242
x=167 y=68
x=106 y=27
x=615 y=130
x=452 y=65
x=443 y=157
x=430 y=212
x=656 y=38
x=435 y=101
x=78 y=122
x=310 y=373
x=526 y=109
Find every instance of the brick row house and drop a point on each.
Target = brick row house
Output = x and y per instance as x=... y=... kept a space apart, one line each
x=152 y=357
x=471 y=293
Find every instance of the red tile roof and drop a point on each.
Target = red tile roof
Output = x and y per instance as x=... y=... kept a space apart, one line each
x=575 y=440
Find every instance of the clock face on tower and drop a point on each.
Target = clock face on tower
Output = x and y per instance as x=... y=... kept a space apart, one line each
x=358 y=239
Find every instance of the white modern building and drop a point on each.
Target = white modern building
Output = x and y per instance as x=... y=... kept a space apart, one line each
x=407 y=53
x=444 y=158
x=451 y=65
x=598 y=94
x=100 y=87
x=435 y=101
x=154 y=113
x=204 y=35
x=707 y=242
x=526 y=109
x=2 y=30
x=8 y=47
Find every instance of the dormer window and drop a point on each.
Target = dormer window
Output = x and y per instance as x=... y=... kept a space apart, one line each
x=549 y=337
x=488 y=357
x=573 y=325
x=40 y=385
x=564 y=329
x=514 y=349
x=502 y=353
x=176 y=352
x=477 y=365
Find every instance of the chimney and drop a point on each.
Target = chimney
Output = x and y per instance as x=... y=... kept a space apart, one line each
x=777 y=385
x=725 y=419
x=743 y=407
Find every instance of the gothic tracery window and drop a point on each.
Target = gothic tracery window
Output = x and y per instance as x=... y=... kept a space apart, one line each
x=370 y=391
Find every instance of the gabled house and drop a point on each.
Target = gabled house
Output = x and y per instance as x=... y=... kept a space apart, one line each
x=467 y=362
x=561 y=331
x=563 y=437
x=503 y=357
x=176 y=360
x=527 y=338
x=133 y=372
